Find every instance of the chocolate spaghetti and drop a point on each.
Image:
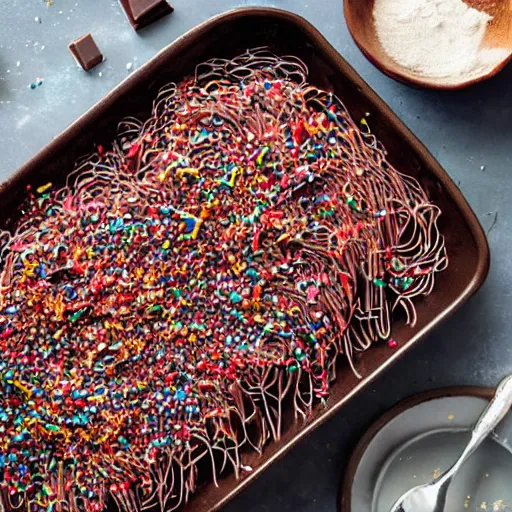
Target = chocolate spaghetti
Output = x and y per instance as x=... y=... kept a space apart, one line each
x=159 y=311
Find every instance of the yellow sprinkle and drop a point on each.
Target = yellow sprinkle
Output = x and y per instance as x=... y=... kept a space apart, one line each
x=240 y=267
x=261 y=156
x=30 y=266
x=166 y=245
x=163 y=175
x=43 y=188
x=187 y=171
x=311 y=129
x=284 y=236
x=197 y=227
x=59 y=307
x=23 y=388
x=234 y=175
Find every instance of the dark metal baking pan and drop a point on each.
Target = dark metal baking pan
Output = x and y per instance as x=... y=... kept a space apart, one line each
x=284 y=33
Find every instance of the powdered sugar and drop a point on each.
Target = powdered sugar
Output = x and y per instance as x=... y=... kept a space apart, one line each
x=436 y=39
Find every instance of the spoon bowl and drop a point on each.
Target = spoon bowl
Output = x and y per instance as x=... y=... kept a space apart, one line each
x=432 y=497
x=498 y=36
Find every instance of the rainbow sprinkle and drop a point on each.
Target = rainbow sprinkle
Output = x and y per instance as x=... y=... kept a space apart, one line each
x=160 y=309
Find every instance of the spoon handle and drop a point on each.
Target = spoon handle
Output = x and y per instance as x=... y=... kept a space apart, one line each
x=496 y=410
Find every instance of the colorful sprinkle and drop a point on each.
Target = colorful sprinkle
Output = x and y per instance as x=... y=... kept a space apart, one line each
x=209 y=267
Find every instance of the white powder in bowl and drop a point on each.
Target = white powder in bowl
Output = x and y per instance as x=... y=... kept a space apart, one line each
x=436 y=39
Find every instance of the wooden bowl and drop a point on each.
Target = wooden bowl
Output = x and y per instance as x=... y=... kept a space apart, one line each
x=359 y=17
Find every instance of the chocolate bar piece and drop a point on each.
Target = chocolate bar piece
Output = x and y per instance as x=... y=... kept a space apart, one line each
x=144 y=12
x=86 y=52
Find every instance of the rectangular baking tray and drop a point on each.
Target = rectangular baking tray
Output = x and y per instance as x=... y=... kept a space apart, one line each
x=285 y=34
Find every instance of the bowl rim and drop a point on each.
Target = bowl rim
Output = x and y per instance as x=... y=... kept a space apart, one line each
x=407 y=78
x=345 y=489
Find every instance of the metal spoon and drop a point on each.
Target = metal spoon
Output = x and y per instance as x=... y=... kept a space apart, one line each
x=432 y=497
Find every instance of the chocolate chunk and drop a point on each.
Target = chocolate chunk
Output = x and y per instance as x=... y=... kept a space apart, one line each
x=85 y=52
x=144 y=12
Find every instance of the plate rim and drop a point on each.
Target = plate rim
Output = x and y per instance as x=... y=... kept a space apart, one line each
x=345 y=490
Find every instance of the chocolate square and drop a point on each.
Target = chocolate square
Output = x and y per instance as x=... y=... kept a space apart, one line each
x=142 y=13
x=86 y=52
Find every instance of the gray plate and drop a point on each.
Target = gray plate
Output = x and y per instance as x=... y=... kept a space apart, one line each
x=425 y=439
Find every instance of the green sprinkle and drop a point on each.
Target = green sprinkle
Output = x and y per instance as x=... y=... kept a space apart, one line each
x=154 y=309
x=352 y=202
x=76 y=315
x=406 y=283
x=397 y=264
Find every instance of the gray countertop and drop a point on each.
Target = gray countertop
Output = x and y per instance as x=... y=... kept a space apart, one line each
x=469 y=132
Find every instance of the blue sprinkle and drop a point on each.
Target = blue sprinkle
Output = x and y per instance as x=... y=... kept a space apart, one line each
x=235 y=298
x=70 y=292
x=180 y=395
x=190 y=223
